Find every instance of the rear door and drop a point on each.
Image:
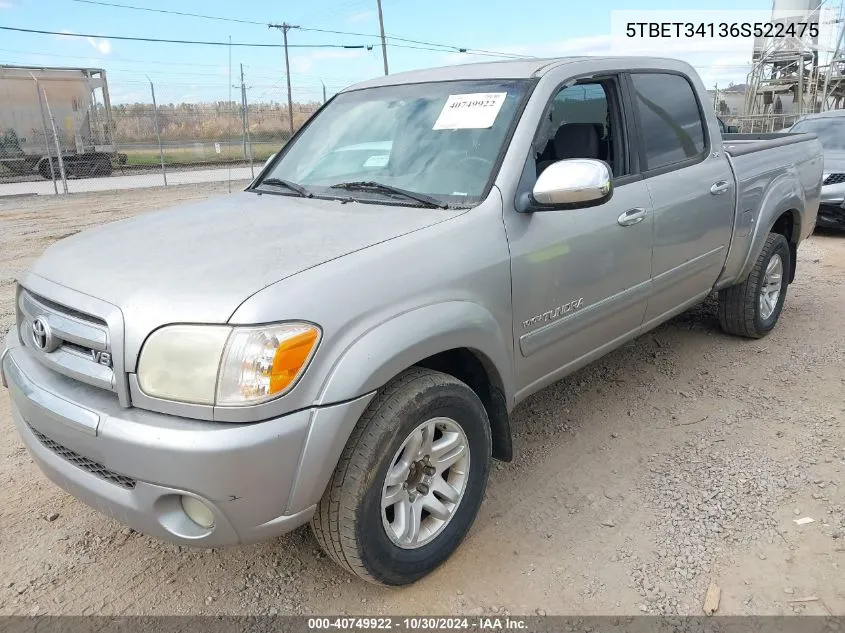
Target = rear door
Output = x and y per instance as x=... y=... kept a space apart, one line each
x=692 y=189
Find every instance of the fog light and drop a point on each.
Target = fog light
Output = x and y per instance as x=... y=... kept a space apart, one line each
x=198 y=512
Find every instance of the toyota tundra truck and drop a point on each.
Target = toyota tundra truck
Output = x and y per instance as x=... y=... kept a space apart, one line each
x=342 y=342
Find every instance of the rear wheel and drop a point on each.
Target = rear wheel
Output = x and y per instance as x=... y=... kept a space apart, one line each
x=102 y=165
x=752 y=308
x=410 y=480
x=44 y=169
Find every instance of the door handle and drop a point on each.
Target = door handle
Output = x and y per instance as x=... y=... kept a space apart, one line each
x=631 y=217
x=720 y=187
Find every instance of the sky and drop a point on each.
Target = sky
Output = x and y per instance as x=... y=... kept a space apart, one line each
x=184 y=73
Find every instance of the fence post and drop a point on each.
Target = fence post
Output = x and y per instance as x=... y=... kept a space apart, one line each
x=56 y=139
x=247 y=139
x=158 y=135
x=46 y=138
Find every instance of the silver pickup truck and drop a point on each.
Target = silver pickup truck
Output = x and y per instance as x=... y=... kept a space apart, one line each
x=343 y=341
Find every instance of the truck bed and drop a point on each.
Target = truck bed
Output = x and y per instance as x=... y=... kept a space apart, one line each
x=741 y=144
x=771 y=170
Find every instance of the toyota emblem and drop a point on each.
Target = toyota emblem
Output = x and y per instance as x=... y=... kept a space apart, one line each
x=42 y=335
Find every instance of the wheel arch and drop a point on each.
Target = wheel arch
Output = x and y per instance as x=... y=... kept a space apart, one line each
x=459 y=338
x=788 y=224
x=779 y=213
x=480 y=374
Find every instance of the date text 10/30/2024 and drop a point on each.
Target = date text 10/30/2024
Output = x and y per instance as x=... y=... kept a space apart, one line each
x=418 y=623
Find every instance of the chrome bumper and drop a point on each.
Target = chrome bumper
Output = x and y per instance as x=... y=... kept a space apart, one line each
x=833 y=194
x=258 y=479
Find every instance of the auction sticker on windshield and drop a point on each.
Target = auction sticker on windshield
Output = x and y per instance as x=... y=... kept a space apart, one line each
x=471 y=111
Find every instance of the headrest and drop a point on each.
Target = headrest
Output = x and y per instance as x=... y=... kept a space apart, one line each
x=577 y=140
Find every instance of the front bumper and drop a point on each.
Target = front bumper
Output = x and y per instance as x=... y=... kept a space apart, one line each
x=831 y=211
x=258 y=479
x=831 y=216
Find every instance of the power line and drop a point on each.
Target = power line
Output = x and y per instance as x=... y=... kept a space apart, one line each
x=189 y=15
x=113 y=59
x=200 y=42
x=447 y=47
x=463 y=50
x=442 y=47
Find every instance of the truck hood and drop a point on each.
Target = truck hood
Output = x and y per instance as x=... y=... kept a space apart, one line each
x=198 y=262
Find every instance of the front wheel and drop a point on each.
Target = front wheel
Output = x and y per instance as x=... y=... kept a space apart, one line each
x=752 y=308
x=410 y=480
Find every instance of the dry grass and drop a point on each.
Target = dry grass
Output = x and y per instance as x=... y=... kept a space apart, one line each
x=195 y=122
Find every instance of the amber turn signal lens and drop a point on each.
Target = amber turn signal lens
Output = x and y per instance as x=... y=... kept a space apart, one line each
x=290 y=357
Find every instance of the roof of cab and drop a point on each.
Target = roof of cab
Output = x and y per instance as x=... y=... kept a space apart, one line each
x=509 y=69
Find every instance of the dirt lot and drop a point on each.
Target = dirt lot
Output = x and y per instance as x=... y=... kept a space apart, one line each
x=682 y=458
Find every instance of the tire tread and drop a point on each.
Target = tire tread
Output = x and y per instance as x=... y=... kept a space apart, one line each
x=334 y=522
x=738 y=303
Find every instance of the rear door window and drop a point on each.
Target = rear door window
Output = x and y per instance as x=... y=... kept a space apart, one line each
x=670 y=119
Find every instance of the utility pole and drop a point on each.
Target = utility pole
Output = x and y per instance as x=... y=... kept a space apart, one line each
x=247 y=138
x=383 y=42
x=324 y=91
x=285 y=27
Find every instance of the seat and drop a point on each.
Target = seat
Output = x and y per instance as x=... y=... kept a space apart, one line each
x=573 y=140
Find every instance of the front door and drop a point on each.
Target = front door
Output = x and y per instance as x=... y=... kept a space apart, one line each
x=580 y=276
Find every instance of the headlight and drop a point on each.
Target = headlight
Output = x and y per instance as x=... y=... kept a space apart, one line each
x=222 y=365
x=264 y=362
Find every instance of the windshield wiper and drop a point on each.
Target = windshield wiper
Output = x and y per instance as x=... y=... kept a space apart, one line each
x=366 y=185
x=289 y=184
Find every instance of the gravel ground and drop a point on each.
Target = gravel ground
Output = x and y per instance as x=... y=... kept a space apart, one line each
x=682 y=459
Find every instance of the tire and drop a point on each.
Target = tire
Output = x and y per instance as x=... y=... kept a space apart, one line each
x=44 y=169
x=103 y=166
x=741 y=309
x=350 y=524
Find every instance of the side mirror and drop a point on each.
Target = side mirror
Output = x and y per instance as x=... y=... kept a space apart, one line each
x=733 y=129
x=575 y=182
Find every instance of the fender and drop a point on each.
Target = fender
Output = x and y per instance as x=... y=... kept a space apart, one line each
x=390 y=347
x=380 y=353
x=783 y=194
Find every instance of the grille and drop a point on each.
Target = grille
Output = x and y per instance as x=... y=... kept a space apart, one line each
x=834 y=179
x=84 y=463
x=77 y=339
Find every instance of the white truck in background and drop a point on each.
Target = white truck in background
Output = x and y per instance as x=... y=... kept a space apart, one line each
x=77 y=100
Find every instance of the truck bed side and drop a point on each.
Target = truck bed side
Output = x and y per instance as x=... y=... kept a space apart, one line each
x=778 y=180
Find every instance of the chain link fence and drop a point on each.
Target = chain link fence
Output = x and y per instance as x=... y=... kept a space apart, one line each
x=762 y=123
x=60 y=134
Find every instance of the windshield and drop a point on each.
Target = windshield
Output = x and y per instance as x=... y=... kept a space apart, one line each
x=830 y=130
x=438 y=139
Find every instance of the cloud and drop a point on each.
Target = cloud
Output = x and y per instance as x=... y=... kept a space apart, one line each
x=104 y=46
x=304 y=63
x=362 y=16
x=717 y=61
